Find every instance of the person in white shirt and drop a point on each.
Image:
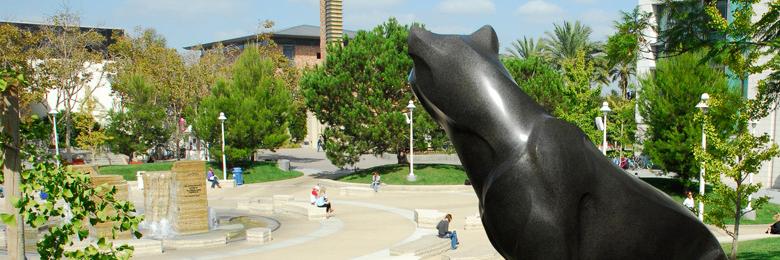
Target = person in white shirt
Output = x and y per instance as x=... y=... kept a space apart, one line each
x=688 y=202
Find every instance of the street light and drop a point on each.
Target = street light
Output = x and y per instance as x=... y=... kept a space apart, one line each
x=222 y=119
x=410 y=120
x=53 y=114
x=605 y=109
x=703 y=107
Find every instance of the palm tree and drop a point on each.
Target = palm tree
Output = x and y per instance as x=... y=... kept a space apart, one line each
x=526 y=48
x=622 y=72
x=564 y=41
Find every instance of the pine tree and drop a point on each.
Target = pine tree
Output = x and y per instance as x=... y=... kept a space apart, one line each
x=667 y=104
x=257 y=104
x=361 y=93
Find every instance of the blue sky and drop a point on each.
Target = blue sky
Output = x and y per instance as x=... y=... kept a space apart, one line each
x=190 y=22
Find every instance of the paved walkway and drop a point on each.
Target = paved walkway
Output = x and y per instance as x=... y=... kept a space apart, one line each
x=363 y=227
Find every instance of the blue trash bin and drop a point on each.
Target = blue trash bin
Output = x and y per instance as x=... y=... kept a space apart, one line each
x=238 y=176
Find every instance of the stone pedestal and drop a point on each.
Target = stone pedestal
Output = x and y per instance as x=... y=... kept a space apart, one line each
x=116 y=181
x=176 y=201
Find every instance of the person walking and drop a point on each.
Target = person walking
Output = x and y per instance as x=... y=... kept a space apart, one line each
x=375 y=181
x=212 y=178
x=444 y=232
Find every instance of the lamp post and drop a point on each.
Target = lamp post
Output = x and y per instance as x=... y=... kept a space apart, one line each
x=703 y=107
x=222 y=119
x=53 y=114
x=410 y=120
x=605 y=109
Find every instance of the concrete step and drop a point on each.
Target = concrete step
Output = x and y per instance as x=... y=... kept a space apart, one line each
x=424 y=247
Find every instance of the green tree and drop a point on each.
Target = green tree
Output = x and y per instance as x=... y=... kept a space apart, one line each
x=539 y=79
x=360 y=93
x=621 y=122
x=733 y=158
x=72 y=203
x=527 y=48
x=667 y=104
x=623 y=47
x=566 y=40
x=91 y=135
x=69 y=64
x=257 y=103
x=582 y=100
x=139 y=125
x=568 y=95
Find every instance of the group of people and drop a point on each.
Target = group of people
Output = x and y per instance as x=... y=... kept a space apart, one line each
x=319 y=198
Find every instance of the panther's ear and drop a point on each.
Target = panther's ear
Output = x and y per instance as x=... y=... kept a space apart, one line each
x=418 y=38
x=486 y=37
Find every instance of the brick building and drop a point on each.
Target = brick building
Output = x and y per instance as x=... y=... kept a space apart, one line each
x=301 y=44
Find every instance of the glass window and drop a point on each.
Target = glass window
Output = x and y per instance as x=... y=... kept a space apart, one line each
x=289 y=51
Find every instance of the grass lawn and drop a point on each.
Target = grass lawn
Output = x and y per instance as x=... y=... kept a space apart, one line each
x=427 y=174
x=128 y=171
x=767 y=248
x=259 y=172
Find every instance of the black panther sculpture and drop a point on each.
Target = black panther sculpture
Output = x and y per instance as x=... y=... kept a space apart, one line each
x=545 y=191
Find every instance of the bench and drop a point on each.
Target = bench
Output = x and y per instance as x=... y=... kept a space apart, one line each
x=427 y=218
x=305 y=209
x=142 y=246
x=280 y=200
x=473 y=223
x=357 y=191
x=474 y=253
x=210 y=240
x=257 y=206
x=258 y=235
x=426 y=246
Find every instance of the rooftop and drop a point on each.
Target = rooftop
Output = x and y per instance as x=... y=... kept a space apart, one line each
x=296 y=32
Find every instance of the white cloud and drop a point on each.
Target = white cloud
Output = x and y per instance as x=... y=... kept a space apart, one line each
x=190 y=10
x=369 y=19
x=586 y=1
x=466 y=7
x=600 y=21
x=539 y=8
x=371 y=4
x=315 y=3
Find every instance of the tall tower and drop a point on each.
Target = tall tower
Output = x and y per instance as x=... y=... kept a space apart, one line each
x=331 y=23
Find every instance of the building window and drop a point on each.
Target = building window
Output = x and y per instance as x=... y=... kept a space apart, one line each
x=289 y=51
x=319 y=55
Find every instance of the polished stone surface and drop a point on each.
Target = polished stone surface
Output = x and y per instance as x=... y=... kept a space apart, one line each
x=545 y=191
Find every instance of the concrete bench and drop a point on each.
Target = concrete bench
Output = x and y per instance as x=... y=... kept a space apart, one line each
x=280 y=200
x=427 y=218
x=257 y=206
x=474 y=253
x=142 y=246
x=305 y=209
x=258 y=235
x=357 y=191
x=473 y=223
x=196 y=241
x=424 y=247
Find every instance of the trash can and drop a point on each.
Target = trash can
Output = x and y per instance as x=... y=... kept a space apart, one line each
x=238 y=176
x=283 y=164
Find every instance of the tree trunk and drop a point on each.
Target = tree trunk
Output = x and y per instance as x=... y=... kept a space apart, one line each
x=737 y=217
x=402 y=158
x=68 y=131
x=11 y=169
